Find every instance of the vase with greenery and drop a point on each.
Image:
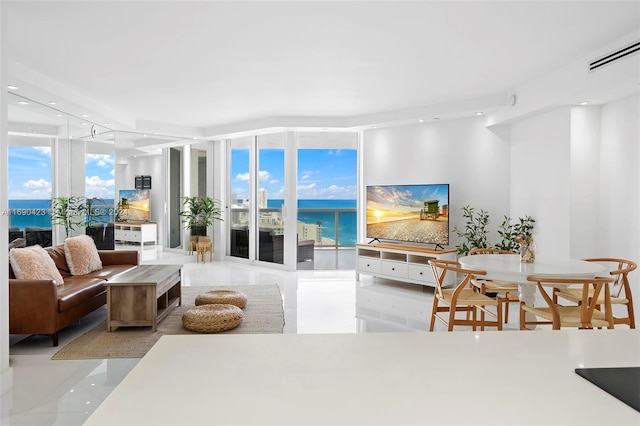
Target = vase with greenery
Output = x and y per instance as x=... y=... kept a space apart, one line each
x=199 y=213
x=474 y=234
x=518 y=237
x=68 y=212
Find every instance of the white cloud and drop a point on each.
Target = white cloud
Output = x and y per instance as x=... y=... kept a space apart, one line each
x=46 y=150
x=101 y=160
x=264 y=175
x=100 y=188
x=37 y=185
x=243 y=177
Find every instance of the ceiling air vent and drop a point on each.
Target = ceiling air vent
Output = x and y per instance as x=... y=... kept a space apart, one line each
x=615 y=56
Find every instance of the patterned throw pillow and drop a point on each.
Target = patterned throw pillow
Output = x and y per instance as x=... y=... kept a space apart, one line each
x=34 y=263
x=82 y=255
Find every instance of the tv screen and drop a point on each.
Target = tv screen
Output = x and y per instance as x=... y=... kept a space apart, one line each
x=134 y=205
x=410 y=213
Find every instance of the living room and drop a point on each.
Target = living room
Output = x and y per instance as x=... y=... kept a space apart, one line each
x=571 y=166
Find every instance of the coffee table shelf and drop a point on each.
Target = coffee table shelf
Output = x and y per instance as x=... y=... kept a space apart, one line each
x=143 y=296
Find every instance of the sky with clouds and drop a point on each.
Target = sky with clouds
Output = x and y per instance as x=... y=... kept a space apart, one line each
x=322 y=173
x=30 y=174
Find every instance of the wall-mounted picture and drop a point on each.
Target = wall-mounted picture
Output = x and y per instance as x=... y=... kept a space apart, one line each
x=134 y=205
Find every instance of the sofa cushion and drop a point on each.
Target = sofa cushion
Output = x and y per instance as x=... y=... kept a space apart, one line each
x=59 y=258
x=78 y=290
x=82 y=255
x=34 y=263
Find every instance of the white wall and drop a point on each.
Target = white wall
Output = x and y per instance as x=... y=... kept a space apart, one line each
x=541 y=178
x=619 y=206
x=146 y=165
x=463 y=153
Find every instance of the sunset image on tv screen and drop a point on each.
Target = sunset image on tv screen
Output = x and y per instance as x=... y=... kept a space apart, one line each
x=412 y=213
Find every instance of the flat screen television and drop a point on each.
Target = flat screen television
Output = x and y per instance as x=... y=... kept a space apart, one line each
x=134 y=205
x=409 y=213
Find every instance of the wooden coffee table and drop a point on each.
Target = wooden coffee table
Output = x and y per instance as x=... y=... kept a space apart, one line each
x=143 y=296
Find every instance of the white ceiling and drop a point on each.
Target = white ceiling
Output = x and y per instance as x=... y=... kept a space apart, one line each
x=210 y=64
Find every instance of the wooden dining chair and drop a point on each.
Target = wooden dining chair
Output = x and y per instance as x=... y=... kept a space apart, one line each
x=505 y=292
x=620 y=288
x=460 y=298
x=585 y=315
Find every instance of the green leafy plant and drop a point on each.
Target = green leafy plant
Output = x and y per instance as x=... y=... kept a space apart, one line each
x=68 y=212
x=474 y=234
x=513 y=235
x=200 y=212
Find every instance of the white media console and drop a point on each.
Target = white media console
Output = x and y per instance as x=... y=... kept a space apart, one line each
x=140 y=232
x=401 y=262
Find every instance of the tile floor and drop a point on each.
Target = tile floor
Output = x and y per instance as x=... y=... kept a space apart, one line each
x=50 y=392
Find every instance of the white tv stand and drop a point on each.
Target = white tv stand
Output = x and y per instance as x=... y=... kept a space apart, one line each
x=400 y=262
x=136 y=232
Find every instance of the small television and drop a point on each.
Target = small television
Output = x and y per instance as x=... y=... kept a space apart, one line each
x=133 y=205
x=409 y=213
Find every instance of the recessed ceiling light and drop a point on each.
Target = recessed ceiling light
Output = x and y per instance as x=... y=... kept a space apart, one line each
x=479 y=113
x=52 y=103
x=85 y=115
x=12 y=87
x=421 y=120
x=23 y=102
x=60 y=115
x=83 y=124
x=583 y=103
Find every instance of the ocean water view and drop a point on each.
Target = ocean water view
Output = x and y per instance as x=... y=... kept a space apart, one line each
x=327 y=215
x=24 y=213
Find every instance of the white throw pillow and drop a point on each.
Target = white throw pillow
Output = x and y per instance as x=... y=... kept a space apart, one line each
x=82 y=255
x=34 y=263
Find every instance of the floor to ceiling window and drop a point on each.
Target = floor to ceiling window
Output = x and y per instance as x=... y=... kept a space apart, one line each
x=327 y=194
x=325 y=200
x=240 y=197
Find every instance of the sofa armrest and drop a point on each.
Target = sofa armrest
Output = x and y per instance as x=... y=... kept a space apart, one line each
x=32 y=302
x=119 y=257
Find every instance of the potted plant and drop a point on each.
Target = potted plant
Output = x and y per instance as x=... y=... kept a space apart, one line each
x=199 y=213
x=518 y=237
x=475 y=230
x=68 y=212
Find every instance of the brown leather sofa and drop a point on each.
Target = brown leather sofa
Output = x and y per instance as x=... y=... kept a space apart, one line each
x=44 y=307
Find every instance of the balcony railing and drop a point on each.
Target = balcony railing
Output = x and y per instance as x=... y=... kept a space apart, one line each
x=328 y=227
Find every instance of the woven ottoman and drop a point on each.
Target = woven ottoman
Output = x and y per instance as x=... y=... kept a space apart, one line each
x=212 y=318
x=224 y=297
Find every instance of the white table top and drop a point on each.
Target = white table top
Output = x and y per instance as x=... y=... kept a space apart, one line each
x=508 y=267
x=497 y=378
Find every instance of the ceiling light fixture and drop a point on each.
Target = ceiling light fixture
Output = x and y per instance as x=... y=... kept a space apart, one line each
x=10 y=87
x=85 y=115
x=421 y=120
x=583 y=103
x=479 y=113
x=52 y=103
x=23 y=102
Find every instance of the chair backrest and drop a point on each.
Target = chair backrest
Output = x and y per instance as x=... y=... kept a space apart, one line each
x=441 y=267
x=488 y=250
x=619 y=269
x=589 y=301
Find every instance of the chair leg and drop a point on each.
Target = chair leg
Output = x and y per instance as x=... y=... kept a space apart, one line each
x=632 y=319
x=522 y=318
x=434 y=311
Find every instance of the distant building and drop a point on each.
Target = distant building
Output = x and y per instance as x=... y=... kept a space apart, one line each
x=310 y=231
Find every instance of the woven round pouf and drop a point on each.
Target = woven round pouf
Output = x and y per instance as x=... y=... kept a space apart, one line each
x=225 y=297
x=212 y=318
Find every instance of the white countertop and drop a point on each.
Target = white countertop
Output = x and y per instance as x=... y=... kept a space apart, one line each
x=509 y=377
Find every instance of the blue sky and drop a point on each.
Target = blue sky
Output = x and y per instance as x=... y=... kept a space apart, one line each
x=30 y=174
x=322 y=173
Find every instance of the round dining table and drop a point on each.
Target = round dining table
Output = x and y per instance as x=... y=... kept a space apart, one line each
x=509 y=267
